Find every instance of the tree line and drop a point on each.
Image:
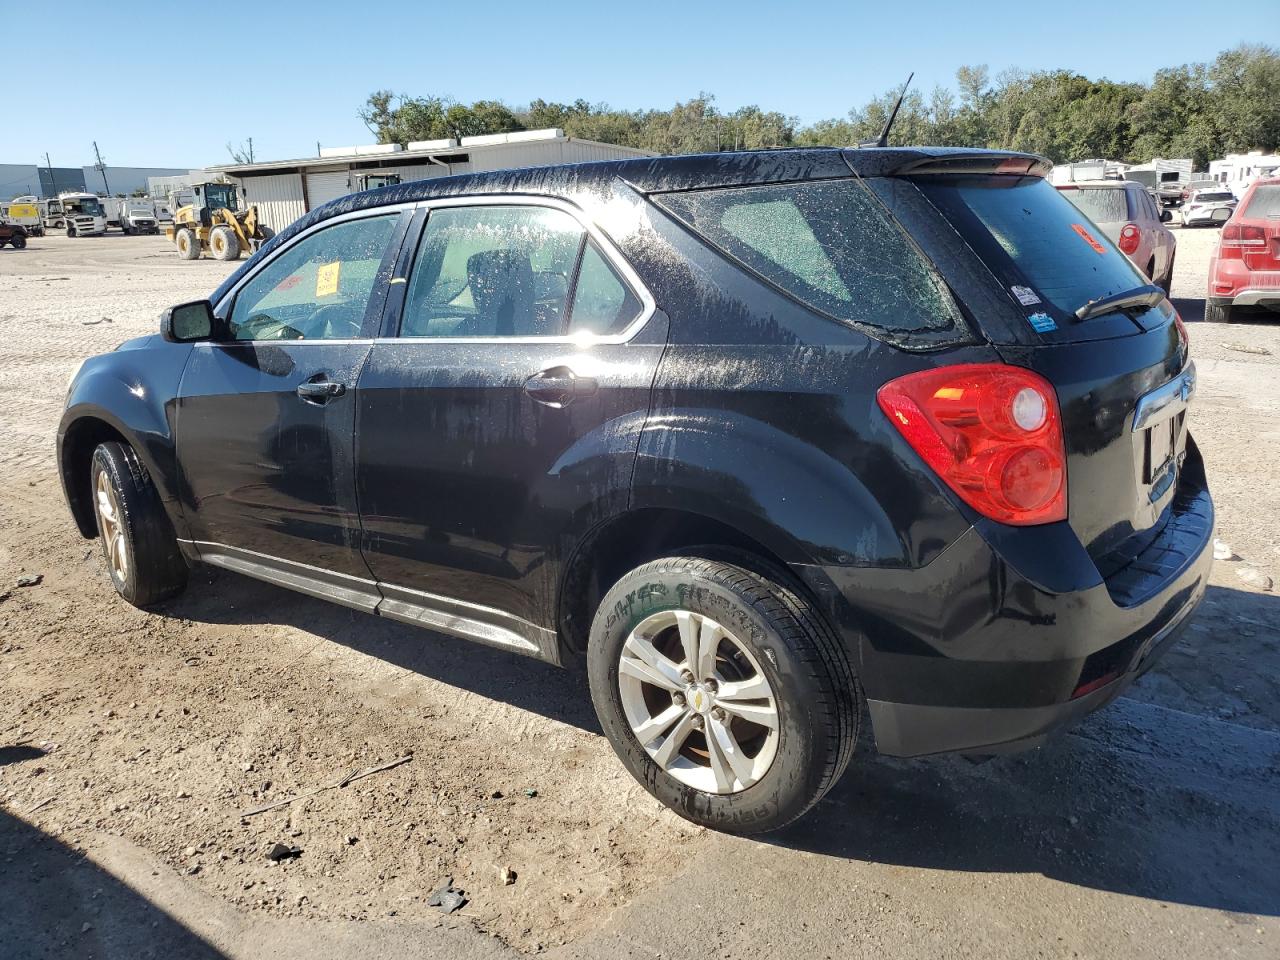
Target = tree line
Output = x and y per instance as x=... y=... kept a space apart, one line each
x=1197 y=110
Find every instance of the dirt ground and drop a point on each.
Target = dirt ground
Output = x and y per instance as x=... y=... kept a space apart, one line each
x=158 y=730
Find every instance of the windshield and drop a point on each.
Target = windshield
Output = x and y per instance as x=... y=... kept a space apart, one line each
x=89 y=207
x=1265 y=202
x=220 y=195
x=1030 y=238
x=1101 y=205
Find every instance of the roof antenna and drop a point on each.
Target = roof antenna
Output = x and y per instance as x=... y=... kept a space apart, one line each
x=883 y=139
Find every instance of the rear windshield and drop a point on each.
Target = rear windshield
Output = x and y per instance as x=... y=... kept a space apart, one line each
x=1210 y=196
x=1029 y=236
x=829 y=244
x=1265 y=202
x=1100 y=204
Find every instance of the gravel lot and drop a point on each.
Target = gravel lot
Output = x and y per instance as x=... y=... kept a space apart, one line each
x=131 y=742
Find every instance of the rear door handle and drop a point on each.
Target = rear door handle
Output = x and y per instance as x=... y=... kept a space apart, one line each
x=320 y=390
x=559 y=386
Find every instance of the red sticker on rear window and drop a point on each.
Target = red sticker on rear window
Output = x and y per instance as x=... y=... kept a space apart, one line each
x=1088 y=238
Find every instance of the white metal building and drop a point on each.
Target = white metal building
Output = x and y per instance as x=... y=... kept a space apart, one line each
x=284 y=190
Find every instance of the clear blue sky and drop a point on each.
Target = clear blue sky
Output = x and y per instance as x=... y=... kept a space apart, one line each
x=308 y=67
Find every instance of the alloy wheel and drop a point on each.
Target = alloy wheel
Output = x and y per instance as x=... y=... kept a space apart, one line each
x=112 y=528
x=698 y=702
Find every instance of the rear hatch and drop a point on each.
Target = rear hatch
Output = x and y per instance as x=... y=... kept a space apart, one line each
x=1025 y=264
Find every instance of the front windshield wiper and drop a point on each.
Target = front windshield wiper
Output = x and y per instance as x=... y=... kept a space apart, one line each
x=1147 y=295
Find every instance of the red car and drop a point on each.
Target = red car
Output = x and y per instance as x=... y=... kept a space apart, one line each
x=1245 y=269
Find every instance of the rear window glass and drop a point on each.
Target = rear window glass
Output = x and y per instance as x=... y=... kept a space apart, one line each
x=1212 y=196
x=1103 y=205
x=1265 y=202
x=829 y=244
x=1028 y=235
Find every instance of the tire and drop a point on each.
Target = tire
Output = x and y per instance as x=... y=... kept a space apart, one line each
x=1217 y=312
x=223 y=243
x=772 y=634
x=19 y=242
x=71 y=231
x=187 y=244
x=132 y=525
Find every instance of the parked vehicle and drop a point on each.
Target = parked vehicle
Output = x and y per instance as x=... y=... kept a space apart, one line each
x=13 y=234
x=1245 y=268
x=51 y=213
x=214 y=221
x=83 y=214
x=1125 y=212
x=748 y=432
x=1208 y=208
x=1162 y=178
x=138 y=215
x=25 y=212
x=1198 y=184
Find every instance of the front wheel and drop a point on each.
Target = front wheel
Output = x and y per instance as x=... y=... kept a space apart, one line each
x=136 y=534
x=19 y=242
x=723 y=692
x=71 y=231
x=223 y=243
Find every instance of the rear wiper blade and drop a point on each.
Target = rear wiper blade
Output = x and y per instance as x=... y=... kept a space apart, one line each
x=1148 y=295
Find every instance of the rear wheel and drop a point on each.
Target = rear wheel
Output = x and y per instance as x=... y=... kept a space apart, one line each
x=1167 y=283
x=223 y=243
x=137 y=537
x=723 y=692
x=187 y=244
x=1217 y=312
x=18 y=242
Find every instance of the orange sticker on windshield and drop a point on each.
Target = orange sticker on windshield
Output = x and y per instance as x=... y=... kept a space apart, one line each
x=327 y=278
x=1088 y=238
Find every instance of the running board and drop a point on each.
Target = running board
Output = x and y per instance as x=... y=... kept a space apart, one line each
x=456 y=618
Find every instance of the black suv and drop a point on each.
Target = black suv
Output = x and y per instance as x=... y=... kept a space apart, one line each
x=758 y=435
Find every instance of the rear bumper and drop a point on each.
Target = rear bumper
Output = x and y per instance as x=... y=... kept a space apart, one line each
x=1006 y=638
x=1252 y=298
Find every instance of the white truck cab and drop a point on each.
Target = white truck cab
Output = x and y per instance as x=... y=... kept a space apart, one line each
x=83 y=214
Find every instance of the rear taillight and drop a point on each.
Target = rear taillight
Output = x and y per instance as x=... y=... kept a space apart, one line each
x=1236 y=238
x=992 y=432
x=1130 y=236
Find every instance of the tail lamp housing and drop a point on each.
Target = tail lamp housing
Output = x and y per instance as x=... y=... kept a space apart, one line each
x=1130 y=237
x=1238 y=237
x=992 y=433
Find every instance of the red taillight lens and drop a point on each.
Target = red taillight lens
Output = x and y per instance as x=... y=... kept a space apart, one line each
x=1129 y=238
x=992 y=432
x=1243 y=235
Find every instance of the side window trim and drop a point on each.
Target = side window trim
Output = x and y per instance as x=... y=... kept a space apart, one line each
x=374 y=308
x=392 y=323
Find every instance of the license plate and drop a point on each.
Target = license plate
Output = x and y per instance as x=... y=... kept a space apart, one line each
x=1160 y=446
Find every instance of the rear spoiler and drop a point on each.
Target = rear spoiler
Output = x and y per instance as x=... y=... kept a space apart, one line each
x=1004 y=164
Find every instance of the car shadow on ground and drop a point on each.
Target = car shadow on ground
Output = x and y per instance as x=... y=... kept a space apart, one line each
x=1149 y=816
x=1191 y=310
x=218 y=596
x=57 y=903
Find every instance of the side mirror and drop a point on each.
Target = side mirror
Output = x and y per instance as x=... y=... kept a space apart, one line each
x=1166 y=216
x=188 y=322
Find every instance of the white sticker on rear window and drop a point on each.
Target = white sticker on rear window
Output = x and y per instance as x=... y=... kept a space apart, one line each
x=1026 y=296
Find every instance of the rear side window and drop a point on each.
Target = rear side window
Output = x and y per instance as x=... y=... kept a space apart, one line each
x=1101 y=204
x=828 y=244
x=1265 y=202
x=1027 y=235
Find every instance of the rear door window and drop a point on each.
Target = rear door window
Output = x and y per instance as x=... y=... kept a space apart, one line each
x=829 y=244
x=1027 y=236
x=1265 y=201
x=1100 y=204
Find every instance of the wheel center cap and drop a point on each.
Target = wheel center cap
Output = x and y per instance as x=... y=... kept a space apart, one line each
x=700 y=698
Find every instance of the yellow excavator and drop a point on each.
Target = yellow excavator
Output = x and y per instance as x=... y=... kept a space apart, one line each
x=213 y=221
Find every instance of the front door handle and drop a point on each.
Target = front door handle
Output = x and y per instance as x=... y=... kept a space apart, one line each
x=320 y=390
x=559 y=386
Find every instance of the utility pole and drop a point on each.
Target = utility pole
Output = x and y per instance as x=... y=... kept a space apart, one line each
x=53 y=187
x=102 y=168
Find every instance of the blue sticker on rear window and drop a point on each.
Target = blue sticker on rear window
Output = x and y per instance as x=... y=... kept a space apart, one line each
x=1041 y=322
